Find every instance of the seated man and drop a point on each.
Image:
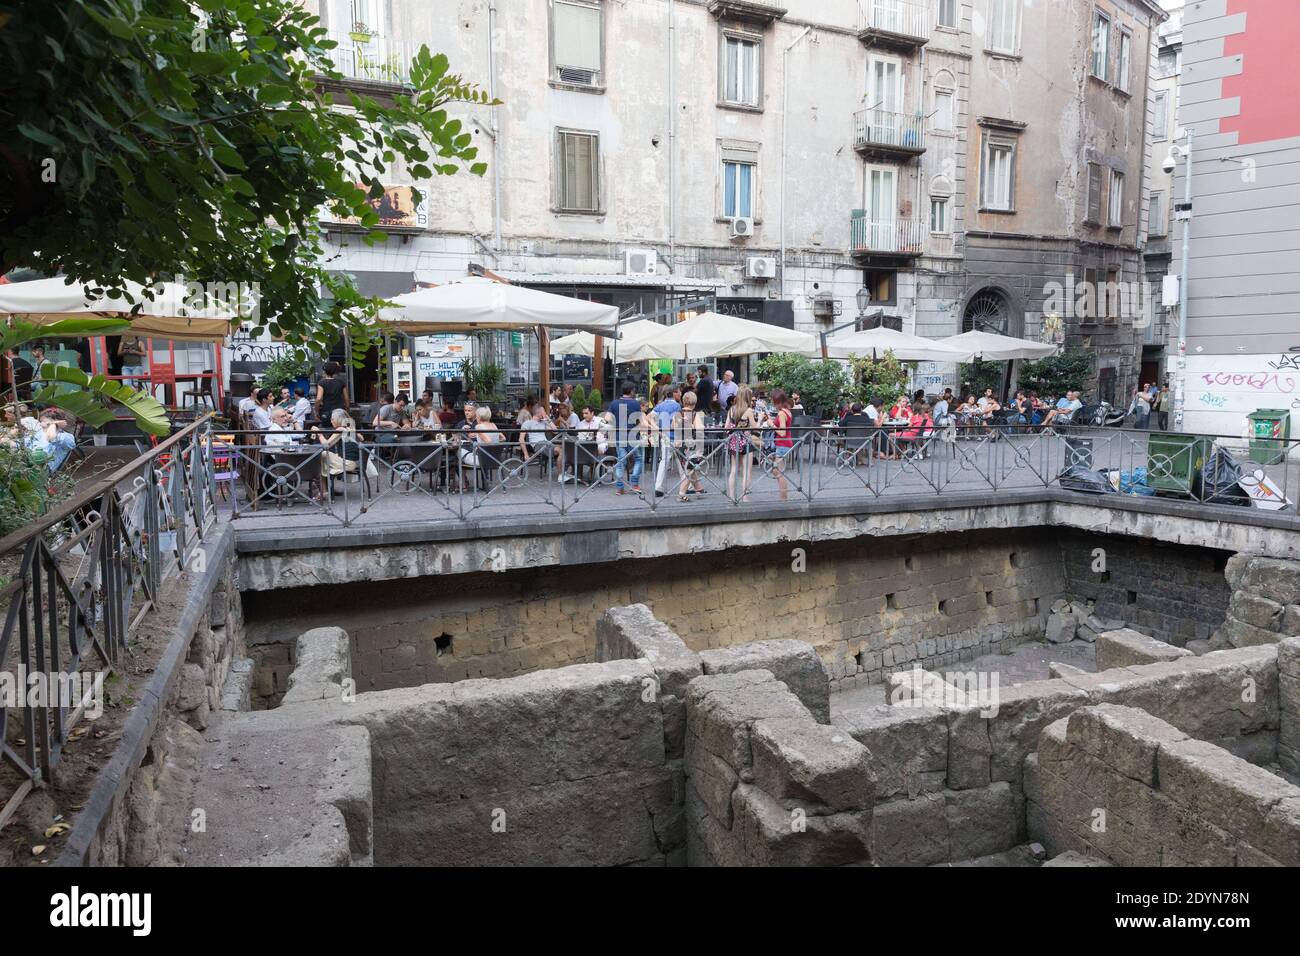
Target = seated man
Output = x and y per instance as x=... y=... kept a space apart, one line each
x=281 y=431
x=1064 y=411
x=859 y=430
x=47 y=435
x=301 y=409
x=536 y=435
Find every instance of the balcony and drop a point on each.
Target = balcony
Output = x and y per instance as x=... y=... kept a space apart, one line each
x=885 y=134
x=379 y=60
x=898 y=238
x=898 y=24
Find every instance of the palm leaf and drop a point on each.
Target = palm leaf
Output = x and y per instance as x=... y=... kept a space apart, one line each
x=20 y=332
x=148 y=412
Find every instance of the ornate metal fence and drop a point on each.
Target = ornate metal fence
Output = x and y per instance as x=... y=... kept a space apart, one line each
x=76 y=583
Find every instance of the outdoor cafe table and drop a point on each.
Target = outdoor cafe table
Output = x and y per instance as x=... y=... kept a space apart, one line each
x=285 y=468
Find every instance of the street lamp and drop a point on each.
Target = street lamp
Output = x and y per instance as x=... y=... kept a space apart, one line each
x=864 y=300
x=1183 y=212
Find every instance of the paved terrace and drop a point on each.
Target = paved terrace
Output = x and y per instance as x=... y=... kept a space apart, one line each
x=968 y=473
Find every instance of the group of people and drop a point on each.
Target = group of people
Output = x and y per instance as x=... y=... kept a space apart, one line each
x=1150 y=399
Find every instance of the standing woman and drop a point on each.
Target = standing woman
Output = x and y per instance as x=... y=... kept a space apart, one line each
x=742 y=437
x=331 y=394
x=784 y=438
x=689 y=426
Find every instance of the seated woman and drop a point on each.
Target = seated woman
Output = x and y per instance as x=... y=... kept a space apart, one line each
x=901 y=409
x=920 y=427
x=342 y=454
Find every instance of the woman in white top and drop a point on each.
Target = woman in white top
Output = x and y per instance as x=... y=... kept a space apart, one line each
x=743 y=439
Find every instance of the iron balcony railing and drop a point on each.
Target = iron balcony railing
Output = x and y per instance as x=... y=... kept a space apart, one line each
x=898 y=237
x=889 y=131
x=376 y=59
x=904 y=19
x=75 y=584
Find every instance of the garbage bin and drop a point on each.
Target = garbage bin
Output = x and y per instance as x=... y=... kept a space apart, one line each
x=1175 y=460
x=1078 y=451
x=1269 y=430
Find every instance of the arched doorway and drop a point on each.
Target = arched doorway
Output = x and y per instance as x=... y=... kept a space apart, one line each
x=987 y=311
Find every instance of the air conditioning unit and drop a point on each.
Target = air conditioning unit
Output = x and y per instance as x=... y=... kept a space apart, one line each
x=742 y=228
x=640 y=262
x=760 y=267
x=825 y=307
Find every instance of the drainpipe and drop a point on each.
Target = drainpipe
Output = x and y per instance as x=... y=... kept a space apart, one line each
x=672 y=139
x=495 y=131
x=785 y=107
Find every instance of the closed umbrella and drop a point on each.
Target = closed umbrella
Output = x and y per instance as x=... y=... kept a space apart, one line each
x=476 y=302
x=713 y=334
x=992 y=347
x=873 y=343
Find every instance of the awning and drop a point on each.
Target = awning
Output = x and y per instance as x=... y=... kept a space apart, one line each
x=873 y=343
x=714 y=334
x=992 y=347
x=165 y=316
x=632 y=334
x=476 y=303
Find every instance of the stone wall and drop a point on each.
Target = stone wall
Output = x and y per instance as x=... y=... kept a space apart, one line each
x=185 y=651
x=1117 y=783
x=865 y=607
x=766 y=785
x=1175 y=593
x=1288 y=734
x=949 y=779
x=1265 y=602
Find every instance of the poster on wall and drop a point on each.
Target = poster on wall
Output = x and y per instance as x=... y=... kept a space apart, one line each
x=396 y=208
x=1223 y=389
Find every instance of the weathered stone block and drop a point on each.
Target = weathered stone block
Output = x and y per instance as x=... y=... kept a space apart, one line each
x=800 y=763
x=1021 y=713
x=711 y=781
x=982 y=821
x=324 y=662
x=794 y=663
x=721 y=709
x=634 y=631
x=1126 y=647
x=1276 y=579
x=911 y=832
x=1123 y=738
x=969 y=749
x=908 y=747
x=775 y=836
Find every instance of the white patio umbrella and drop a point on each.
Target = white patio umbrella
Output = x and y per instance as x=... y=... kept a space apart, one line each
x=873 y=343
x=168 y=315
x=996 y=348
x=713 y=334
x=584 y=343
x=476 y=302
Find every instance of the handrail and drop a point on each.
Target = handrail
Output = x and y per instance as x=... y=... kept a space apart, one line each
x=82 y=498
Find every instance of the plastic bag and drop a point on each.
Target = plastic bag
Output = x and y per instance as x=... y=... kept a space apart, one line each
x=1078 y=478
x=1135 y=483
x=1218 y=481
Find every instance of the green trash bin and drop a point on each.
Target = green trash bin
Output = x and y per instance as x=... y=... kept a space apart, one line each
x=1269 y=430
x=1175 y=460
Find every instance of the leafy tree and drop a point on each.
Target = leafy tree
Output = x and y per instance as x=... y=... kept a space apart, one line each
x=191 y=138
x=980 y=374
x=1069 y=369
x=819 y=384
x=885 y=377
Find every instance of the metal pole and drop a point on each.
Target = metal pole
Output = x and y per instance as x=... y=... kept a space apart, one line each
x=1180 y=366
x=785 y=106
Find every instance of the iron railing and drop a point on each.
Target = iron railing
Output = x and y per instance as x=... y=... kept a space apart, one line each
x=906 y=19
x=886 y=236
x=407 y=478
x=377 y=59
x=889 y=131
x=75 y=584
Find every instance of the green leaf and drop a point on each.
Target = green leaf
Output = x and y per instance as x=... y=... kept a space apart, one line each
x=38 y=135
x=148 y=412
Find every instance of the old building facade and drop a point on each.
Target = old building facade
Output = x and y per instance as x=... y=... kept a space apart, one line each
x=963 y=160
x=1238 y=94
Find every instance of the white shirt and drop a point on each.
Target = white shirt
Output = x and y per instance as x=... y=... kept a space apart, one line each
x=278 y=435
x=247 y=404
x=301 y=409
x=870 y=412
x=261 y=418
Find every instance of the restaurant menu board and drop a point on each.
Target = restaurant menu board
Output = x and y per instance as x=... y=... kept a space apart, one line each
x=577 y=368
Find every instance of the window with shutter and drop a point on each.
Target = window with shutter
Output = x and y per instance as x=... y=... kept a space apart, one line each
x=577 y=171
x=577 y=50
x=1094 y=194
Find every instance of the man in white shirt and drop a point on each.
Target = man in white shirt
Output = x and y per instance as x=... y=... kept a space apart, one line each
x=727 y=388
x=281 y=431
x=301 y=408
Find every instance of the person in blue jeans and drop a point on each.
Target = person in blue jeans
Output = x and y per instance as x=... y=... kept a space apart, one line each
x=48 y=437
x=627 y=438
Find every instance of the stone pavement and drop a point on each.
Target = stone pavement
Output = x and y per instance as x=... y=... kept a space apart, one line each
x=1028 y=662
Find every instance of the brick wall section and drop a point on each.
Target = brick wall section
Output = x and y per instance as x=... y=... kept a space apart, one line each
x=1178 y=594
x=1120 y=784
x=864 y=606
